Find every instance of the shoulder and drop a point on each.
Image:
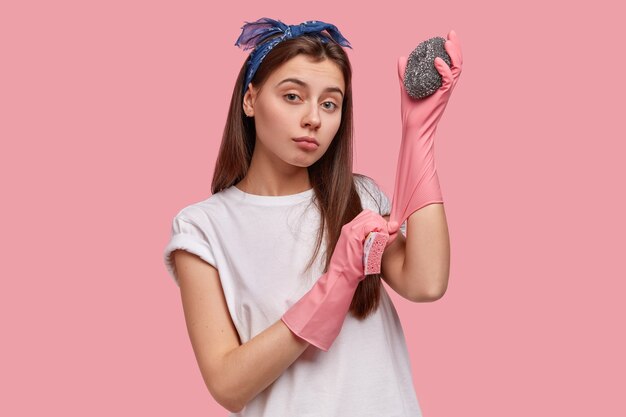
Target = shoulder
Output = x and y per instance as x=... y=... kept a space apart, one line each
x=203 y=213
x=372 y=195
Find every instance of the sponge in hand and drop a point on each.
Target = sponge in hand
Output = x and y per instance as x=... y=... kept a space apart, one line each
x=373 y=249
x=421 y=78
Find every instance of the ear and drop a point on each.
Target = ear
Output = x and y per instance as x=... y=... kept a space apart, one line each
x=248 y=101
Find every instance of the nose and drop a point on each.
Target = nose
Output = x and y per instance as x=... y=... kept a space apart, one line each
x=312 y=117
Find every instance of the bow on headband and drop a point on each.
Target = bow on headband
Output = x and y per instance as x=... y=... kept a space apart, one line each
x=254 y=33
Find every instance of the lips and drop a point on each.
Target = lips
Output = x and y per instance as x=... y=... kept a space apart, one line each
x=307 y=139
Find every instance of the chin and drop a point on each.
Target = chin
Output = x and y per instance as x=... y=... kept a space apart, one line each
x=305 y=161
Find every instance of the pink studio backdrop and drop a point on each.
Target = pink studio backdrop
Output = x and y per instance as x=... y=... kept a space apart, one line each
x=111 y=117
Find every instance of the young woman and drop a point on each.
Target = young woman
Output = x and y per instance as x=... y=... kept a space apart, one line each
x=270 y=266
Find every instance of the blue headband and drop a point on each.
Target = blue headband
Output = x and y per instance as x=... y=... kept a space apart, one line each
x=254 y=33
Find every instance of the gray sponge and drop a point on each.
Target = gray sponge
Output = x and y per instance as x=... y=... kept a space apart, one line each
x=421 y=77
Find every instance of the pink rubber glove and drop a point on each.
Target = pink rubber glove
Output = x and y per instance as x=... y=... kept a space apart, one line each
x=319 y=315
x=417 y=183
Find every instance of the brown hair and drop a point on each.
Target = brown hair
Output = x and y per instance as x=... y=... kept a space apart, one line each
x=331 y=176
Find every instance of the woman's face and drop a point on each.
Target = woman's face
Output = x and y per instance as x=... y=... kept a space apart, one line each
x=300 y=98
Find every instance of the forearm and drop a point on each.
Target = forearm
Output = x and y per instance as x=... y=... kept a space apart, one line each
x=417 y=192
x=253 y=366
x=427 y=252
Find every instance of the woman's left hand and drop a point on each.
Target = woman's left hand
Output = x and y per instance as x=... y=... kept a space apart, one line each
x=422 y=115
x=417 y=183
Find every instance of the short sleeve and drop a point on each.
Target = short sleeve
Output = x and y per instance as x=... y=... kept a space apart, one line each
x=374 y=198
x=188 y=236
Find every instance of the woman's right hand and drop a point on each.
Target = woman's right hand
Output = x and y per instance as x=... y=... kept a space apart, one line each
x=318 y=315
x=347 y=259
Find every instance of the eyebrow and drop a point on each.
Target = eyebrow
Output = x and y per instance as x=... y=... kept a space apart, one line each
x=303 y=84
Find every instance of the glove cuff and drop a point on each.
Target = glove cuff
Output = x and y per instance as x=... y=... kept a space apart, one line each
x=318 y=316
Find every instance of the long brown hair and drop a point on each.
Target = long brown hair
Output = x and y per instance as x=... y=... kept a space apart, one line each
x=331 y=176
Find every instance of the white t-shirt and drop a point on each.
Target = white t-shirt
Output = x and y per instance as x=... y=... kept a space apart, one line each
x=260 y=246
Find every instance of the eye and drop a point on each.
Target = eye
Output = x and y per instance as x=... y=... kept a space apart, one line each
x=291 y=95
x=334 y=106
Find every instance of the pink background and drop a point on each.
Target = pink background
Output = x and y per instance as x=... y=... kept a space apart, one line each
x=111 y=116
